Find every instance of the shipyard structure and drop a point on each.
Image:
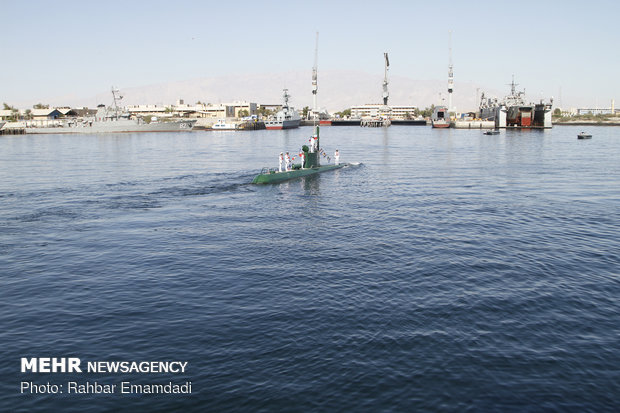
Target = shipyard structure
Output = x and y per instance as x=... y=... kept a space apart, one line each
x=514 y=112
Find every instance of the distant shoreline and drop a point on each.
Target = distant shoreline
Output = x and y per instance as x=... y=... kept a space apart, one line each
x=587 y=123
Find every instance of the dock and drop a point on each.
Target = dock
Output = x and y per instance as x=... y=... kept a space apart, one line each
x=12 y=131
x=375 y=123
x=409 y=122
x=473 y=124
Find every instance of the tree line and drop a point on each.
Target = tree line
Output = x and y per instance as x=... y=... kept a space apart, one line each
x=27 y=113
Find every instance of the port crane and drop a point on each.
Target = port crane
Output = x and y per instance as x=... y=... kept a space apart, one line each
x=450 y=74
x=386 y=94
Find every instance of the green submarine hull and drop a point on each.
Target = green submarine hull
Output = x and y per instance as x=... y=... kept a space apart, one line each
x=272 y=176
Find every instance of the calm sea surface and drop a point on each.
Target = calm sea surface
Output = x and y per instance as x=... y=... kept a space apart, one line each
x=448 y=271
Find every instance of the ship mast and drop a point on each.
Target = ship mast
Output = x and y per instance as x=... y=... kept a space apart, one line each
x=386 y=94
x=116 y=96
x=513 y=87
x=314 y=77
x=450 y=74
x=286 y=96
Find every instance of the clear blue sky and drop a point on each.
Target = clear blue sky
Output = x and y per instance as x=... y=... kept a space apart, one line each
x=82 y=47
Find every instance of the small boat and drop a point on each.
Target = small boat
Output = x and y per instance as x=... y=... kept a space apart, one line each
x=584 y=135
x=491 y=132
x=222 y=125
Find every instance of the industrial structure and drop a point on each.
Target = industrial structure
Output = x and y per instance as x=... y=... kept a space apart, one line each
x=450 y=74
x=386 y=94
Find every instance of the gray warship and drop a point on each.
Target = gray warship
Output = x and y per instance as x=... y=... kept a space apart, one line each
x=287 y=118
x=109 y=120
x=514 y=112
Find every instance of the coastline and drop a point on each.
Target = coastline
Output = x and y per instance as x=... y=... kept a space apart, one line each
x=587 y=123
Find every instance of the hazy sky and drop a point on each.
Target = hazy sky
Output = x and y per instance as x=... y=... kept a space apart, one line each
x=566 y=49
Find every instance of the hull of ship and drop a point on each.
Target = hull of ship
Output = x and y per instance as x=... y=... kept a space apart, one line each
x=286 y=124
x=442 y=124
x=274 y=177
x=224 y=127
x=488 y=113
x=530 y=116
x=116 y=127
x=521 y=116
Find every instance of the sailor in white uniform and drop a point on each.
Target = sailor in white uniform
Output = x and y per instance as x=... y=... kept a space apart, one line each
x=337 y=157
x=302 y=156
x=287 y=159
x=281 y=161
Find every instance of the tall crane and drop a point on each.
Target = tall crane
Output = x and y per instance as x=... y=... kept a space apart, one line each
x=386 y=94
x=314 y=76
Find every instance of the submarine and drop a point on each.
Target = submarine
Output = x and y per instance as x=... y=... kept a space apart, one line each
x=311 y=166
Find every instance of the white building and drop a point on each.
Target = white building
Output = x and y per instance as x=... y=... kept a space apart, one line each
x=370 y=110
x=199 y=110
x=6 y=114
x=377 y=110
x=404 y=112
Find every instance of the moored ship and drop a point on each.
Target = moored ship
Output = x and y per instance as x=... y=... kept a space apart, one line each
x=108 y=120
x=514 y=112
x=286 y=118
x=222 y=125
x=440 y=117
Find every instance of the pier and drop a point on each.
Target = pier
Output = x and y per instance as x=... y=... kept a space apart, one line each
x=375 y=123
x=408 y=122
x=13 y=131
x=473 y=124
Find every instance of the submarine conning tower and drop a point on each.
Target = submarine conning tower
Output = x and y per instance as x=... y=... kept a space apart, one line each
x=313 y=158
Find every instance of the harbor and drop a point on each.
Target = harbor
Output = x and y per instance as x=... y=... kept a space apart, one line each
x=510 y=112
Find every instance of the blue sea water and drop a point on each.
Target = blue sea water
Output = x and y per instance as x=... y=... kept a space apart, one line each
x=449 y=271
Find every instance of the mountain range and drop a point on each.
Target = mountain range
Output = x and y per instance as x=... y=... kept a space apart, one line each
x=337 y=90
